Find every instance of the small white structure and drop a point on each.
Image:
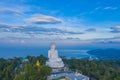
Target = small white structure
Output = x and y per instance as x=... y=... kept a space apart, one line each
x=54 y=61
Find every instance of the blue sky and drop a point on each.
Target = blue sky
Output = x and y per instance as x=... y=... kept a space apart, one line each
x=66 y=22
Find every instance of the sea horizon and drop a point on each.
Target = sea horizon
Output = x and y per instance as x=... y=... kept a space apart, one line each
x=11 y=52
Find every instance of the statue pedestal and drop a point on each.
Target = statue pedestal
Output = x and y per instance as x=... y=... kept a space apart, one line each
x=55 y=63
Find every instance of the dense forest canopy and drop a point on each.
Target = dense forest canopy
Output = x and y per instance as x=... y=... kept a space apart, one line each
x=15 y=69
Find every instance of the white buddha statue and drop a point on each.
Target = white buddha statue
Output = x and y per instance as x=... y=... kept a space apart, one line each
x=54 y=61
x=53 y=54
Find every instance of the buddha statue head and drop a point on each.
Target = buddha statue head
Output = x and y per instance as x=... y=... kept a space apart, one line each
x=53 y=46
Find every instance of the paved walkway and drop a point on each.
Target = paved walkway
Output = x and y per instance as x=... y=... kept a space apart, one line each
x=68 y=75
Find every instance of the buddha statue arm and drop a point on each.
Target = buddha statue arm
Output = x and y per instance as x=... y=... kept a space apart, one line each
x=49 y=55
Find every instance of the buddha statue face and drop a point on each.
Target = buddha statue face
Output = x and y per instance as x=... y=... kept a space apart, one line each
x=53 y=46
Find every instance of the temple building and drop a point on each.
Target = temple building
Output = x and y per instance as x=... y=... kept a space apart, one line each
x=54 y=61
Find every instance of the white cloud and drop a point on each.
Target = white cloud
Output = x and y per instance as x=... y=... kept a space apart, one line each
x=91 y=30
x=44 y=19
x=10 y=11
x=115 y=29
x=110 y=8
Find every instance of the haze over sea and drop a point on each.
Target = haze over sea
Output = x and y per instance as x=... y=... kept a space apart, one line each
x=20 y=51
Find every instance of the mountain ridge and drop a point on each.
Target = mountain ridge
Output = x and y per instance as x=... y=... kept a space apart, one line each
x=109 y=53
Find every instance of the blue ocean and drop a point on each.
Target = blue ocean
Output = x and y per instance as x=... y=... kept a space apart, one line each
x=17 y=51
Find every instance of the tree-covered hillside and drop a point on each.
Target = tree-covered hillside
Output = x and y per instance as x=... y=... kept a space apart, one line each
x=15 y=69
x=96 y=70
